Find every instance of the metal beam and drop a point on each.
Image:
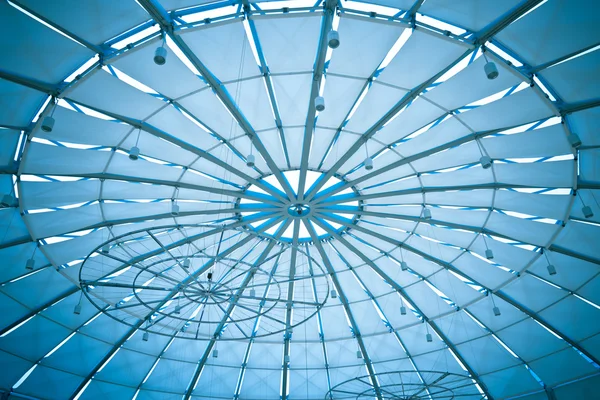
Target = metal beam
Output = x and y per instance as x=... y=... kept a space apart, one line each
x=410 y=14
x=452 y=268
x=288 y=311
x=153 y=217
x=481 y=37
x=29 y=82
x=146 y=127
x=409 y=97
x=574 y=254
x=319 y=68
x=418 y=156
x=238 y=387
x=346 y=305
x=587 y=184
x=452 y=225
x=230 y=308
x=570 y=108
x=333 y=200
x=158 y=13
x=182 y=185
x=319 y=322
x=138 y=325
x=380 y=310
x=266 y=76
x=55 y=90
x=401 y=290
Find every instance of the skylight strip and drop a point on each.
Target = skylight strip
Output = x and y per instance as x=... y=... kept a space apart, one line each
x=530 y=10
x=24 y=377
x=48 y=24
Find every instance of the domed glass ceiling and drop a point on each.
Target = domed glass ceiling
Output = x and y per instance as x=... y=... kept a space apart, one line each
x=299 y=199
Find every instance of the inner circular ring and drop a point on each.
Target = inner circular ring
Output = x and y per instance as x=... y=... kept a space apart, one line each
x=270 y=305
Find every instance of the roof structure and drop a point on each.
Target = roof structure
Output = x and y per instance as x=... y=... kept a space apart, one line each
x=302 y=199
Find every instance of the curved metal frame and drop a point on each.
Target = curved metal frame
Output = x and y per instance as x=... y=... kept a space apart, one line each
x=170 y=25
x=166 y=318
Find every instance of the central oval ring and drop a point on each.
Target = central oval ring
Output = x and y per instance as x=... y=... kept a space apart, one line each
x=299 y=210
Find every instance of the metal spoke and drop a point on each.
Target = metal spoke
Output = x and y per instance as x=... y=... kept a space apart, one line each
x=230 y=309
x=346 y=305
x=401 y=290
x=451 y=268
x=162 y=17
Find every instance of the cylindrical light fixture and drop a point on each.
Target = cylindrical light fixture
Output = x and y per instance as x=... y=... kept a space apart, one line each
x=426 y=213
x=486 y=162
x=319 y=103
x=160 y=55
x=250 y=160
x=134 y=153
x=333 y=39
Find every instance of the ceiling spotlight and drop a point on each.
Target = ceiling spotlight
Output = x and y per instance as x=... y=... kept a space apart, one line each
x=160 y=55
x=286 y=359
x=134 y=153
x=209 y=276
x=186 y=263
x=368 y=163
x=174 y=208
x=8 y=200
x=77 y=309
x=177 y=310
x=333 y=294
x=252 y=293
x=426 y=213
x=319 y=103
x=587 y=211
x=489 y=254
x=250 y=160
x=402 y=310
x=551 y=269
x=105 y=249
x=486 y=162
x=491 y=70
x=333 y=39
x=429 y=338
x=574 y=140
x=48 y=124
x=403 y=265
x=215 y=353
x=30 y=264
x=145 y=336
x=358 y=354
x=496 y=311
